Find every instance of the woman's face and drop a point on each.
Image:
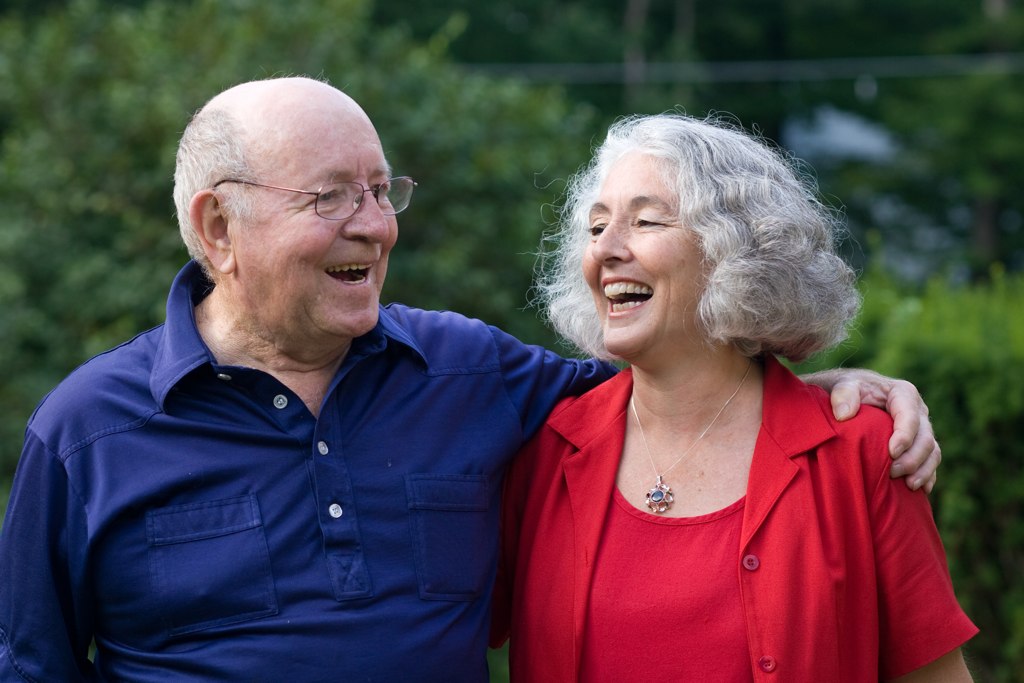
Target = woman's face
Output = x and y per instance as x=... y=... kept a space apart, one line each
x=643 y=266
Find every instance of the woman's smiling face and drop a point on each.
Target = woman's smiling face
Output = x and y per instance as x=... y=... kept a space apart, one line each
x=644 y=268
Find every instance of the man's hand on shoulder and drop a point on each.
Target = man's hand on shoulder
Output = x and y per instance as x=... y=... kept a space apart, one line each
x=915 y=452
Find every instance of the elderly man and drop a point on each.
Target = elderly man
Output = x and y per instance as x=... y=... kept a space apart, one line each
x=284 y=482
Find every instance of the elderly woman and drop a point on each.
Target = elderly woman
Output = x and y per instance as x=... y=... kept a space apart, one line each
x=703 y=516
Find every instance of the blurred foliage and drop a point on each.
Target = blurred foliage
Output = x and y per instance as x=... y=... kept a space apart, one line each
x=964 y=348
x=943 y=191
x=93 y=99
x=949 y=191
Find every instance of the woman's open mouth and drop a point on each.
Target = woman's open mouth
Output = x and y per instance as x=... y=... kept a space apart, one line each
x=625 y=295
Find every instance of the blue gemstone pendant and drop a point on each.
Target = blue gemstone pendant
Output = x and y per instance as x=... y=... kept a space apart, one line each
x=659 y=499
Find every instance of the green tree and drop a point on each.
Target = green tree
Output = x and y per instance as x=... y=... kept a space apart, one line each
x=93 y=99
x=963 y=164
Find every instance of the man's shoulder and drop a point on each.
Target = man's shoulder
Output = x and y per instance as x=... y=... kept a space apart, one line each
x=452 y=343
x=447 y=338
x=109 y=390
x=423 y=321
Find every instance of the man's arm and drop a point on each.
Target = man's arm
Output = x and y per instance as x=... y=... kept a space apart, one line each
x=913 y=447
x=44 y=618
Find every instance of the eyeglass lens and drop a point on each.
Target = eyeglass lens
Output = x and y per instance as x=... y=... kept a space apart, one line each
x=341 y=200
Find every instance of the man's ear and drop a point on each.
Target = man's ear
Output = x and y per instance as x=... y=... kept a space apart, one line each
x=211 y=225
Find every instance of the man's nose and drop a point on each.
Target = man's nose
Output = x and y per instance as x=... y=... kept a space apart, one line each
x=368 y=222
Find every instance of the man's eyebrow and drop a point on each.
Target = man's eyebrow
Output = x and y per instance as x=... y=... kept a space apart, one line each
x=338 y=175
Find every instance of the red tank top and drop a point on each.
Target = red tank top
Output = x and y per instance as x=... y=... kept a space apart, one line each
x=665 y=603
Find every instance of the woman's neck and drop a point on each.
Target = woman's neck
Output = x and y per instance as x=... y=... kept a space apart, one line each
x=692 y=390
x=696 y=427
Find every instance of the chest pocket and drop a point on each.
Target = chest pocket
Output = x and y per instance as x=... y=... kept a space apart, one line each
x=209 y=564
x=454 y=535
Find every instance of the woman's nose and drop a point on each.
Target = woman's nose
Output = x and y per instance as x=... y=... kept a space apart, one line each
x=612 y=243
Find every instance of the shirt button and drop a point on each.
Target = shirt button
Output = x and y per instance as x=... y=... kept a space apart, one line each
x=767 y=664
x=335 y=510
x=750 y=562
x=224 y=376
x=322 y=447
x=280 y=401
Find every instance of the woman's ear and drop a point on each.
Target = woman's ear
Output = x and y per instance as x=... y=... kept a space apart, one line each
x=211 y=225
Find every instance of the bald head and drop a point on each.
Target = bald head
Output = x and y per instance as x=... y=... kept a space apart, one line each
x=276 y=115
x=264 y=96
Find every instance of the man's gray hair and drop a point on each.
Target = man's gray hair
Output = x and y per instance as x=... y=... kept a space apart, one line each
x=774 y=281
x=212 y=148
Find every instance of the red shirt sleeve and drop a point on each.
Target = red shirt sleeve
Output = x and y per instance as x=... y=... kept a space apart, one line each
x=919 y=615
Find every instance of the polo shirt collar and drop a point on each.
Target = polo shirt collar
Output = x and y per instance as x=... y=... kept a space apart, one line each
x=181 y=350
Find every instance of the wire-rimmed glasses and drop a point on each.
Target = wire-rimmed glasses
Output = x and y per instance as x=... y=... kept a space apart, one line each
x=340 y=200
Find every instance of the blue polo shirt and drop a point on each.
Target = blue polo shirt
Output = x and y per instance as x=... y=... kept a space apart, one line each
x=200 y=524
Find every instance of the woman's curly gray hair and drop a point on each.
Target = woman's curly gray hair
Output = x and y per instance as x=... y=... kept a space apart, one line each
x=774 y=281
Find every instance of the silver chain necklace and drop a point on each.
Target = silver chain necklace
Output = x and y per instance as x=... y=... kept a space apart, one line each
x=659 y=498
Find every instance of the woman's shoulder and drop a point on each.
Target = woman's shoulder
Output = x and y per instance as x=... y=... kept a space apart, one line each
x=861 y=441
x=576 y=415
x=800 y=418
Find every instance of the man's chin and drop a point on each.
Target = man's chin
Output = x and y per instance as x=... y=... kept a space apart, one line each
x=358 y=324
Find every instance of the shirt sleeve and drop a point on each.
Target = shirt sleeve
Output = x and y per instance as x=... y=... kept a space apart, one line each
x=44 y=632
x=536 y=379
x=920 y=618
x=513 y=498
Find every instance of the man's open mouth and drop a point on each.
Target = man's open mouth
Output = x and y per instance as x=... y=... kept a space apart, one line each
x=349 y=272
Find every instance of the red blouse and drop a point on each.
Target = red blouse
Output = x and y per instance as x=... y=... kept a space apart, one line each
x=666 y=586
x=841 y=573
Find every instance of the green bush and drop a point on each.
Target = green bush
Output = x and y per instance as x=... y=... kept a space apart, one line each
x=963 y=346
x=964 y=349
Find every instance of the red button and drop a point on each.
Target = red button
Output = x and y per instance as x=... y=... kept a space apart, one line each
x=767 y=664
x=750 y=562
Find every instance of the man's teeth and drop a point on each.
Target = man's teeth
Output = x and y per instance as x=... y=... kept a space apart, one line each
x=349 y=272
x=348 y=267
